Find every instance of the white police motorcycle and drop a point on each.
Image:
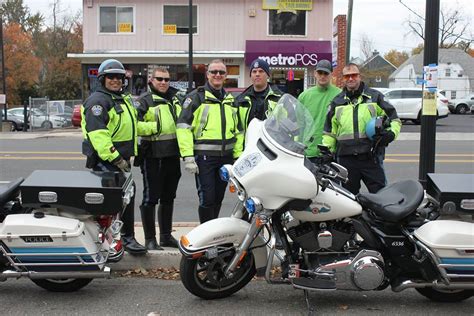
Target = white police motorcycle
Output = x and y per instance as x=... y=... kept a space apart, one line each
x=60 y=228
x=332 y=240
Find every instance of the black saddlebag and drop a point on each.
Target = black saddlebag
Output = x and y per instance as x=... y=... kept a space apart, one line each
x=96 y=193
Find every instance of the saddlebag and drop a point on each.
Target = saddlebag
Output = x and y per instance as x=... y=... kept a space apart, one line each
x=452 y=242
x=96 y=193
x=40 y=242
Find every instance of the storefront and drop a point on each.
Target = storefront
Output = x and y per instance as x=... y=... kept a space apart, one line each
x=291 y=62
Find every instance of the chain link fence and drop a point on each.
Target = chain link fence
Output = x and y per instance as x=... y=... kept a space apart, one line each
x=48 y=114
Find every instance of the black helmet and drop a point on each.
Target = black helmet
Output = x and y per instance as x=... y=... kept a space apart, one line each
x=111 y=66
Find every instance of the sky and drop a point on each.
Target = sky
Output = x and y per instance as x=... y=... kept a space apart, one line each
x=382 y=21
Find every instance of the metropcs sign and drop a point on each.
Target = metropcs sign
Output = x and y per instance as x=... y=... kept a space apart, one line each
x=295 y=60
x=288 y=53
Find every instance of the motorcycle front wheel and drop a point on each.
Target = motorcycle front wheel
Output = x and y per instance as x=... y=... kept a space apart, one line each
x=205 y=277
x=61 y=285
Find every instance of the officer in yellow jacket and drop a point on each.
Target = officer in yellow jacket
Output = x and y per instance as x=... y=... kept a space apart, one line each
x=345 y=131
x=209 y=137
x=159 y=159
x=110 y=128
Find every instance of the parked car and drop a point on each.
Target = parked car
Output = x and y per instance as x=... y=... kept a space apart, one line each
x=76 y=115
x=39 y=119
x=463 y=105
x=16 y=122
x=407 y=102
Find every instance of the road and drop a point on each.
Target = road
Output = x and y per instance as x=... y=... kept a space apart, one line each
x=144 y=296
x=19 y=157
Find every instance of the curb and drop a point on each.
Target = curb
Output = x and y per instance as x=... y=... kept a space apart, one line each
x=152 y=260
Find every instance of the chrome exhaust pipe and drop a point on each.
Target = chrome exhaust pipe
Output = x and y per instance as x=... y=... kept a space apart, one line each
x=103 y=274
x=452 y=286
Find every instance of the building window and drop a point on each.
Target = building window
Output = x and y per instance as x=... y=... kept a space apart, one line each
x=453 y=95
x=448 y=72
x=286 y=23
x=116 y=20
x=176 y=19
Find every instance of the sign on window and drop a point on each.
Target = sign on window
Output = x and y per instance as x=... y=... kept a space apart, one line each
x=287 y=5
x=125 y=27
x=169 y=29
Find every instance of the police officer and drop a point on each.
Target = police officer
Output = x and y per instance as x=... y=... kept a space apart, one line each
x=110 y=129
x=259 y=99
x=209 y=137
x=159 y=155
x=317 y=100
x=344 y=131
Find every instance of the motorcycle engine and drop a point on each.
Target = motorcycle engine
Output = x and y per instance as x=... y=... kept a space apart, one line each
x=313 y=236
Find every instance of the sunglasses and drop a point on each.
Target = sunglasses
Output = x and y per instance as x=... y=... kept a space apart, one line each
x=350 y=76
x=215 y=72
x=114 y=76
x=162 y=79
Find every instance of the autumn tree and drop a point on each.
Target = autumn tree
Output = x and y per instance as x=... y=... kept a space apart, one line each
x=395 y=57
x=454 y=27
x=15 y=11
x=22 y=67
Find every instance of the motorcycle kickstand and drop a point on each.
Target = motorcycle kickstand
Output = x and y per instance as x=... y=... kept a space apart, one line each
x=311 y=307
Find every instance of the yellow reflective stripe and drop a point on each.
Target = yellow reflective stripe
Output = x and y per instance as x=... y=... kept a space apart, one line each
x=350 y=136
x=203 y=120
x=339 y=113
x=160 y=137
x=184 y=126
x=372 y=110
x=213 y=146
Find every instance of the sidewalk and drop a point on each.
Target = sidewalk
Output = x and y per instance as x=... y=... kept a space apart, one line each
x=168 y=258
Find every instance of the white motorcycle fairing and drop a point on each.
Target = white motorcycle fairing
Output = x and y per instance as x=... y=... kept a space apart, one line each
x=221 y=231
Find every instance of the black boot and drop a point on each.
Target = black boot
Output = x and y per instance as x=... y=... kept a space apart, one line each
x=217 y=210
x=165 y=221
x=148 y=222
x=205 y=214
x=130 y=244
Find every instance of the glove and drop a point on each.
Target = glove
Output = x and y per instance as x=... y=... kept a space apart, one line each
x=385 y=139
x=190 y=165
x=327 y=158
x=122 y=164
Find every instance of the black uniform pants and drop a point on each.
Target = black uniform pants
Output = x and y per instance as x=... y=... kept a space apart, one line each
x=211 y=189
x=127 y=216
x=363 y=167
x=160 y=180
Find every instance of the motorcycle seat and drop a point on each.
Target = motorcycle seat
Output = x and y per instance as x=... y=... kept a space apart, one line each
x=8 y=192
x=394 y=202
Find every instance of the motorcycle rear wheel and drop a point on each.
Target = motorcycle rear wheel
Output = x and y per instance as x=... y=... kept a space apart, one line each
x=205 y=277
x=448 y=296
x=61 y=285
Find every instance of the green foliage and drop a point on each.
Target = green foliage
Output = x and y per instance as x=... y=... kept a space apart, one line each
x=14 y=11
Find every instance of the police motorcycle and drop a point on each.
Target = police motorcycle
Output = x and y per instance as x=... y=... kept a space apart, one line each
x=332 y=240
x=61 y=228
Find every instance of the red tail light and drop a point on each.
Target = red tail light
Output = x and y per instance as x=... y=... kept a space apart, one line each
x=104 y=221
x=118 y=246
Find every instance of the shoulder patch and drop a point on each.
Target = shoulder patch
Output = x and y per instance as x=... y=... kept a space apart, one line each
x=97 y=109
x=186 y=103
x=136 y=104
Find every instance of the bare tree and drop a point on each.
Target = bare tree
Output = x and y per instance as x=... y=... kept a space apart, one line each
x=366 y=45
x=453 y=27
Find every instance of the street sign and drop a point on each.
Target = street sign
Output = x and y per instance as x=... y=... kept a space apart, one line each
x=3 y=99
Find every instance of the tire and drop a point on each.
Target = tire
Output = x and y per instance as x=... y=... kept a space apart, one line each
x=417 y=121
x=445 y=296
x=61 y=285
x=47 y=125
x=462 y=109
x=198 y=283
x=14 y=127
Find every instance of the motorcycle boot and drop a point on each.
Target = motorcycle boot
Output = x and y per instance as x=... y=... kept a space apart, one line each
x=205 y=214
x=165 y=221
x=148 y=222
x=217 y=210
x=130 y=244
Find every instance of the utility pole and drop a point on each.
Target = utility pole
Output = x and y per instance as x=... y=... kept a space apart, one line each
x=348 y=31
x=428 y=117
x=190 y=45
x=3 y=73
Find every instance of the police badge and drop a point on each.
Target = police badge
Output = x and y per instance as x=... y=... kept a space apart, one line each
x=97 y=109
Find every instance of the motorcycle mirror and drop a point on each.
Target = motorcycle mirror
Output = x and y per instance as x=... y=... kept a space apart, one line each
x=342 y=171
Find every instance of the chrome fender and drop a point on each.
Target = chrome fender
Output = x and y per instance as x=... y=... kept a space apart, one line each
x=220 y=231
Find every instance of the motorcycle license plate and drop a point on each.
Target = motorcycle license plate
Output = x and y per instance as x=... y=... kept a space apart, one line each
x=116 y=227
x=294 y=271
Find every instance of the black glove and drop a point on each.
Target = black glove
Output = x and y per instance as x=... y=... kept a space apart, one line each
x=326 y=158
x=386 y=138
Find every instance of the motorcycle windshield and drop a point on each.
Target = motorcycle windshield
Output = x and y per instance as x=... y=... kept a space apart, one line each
x=290 y=124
